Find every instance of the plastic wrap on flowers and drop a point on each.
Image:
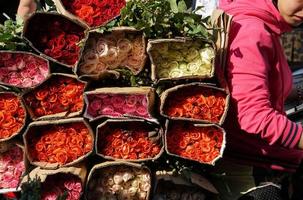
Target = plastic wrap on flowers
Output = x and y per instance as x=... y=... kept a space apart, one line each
x=184 y=185
x=93 y=13
x=120 y=103
x=55 y=37
x=56 y=183
x=13 y=165
x=129 y=140
x=22 y=69
x=119 y=180
x=204 y=143
x=12 y=115
x=54 y=144
x=104 y=53
x=197 y=102
x=61 y=96
x=174 y=59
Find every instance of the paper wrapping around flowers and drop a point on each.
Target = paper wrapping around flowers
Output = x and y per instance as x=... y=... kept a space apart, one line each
x=197 y=102
x=129 y=140
x=174 y=59
x=12 y=115
x=119 y=179
x=56 y=182
x=61 y=96
x=204 y=143
x=92 y=13
x=13 y=165
x=60 y=143
x=55 y=37
x=22 y=69
x=107 y=52
x=134 y=102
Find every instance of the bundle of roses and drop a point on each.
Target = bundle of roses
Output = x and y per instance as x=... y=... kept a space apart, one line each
x=132 y=140
x=93 y=12
x=55 y=36
x=198 y=102
x=60 y=94
x=123 y=47
x=57 y=185
x=119 y=181
x=200 y=143
x=58 y=143
x=181 y=58
x=12 y=166
x=119 y=103
x=12 y=115
x=23 y=70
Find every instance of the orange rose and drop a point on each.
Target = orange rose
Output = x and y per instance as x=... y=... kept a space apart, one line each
x=41 y=94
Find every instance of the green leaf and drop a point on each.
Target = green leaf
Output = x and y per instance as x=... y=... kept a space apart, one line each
x=182 y=6
x=173 y=5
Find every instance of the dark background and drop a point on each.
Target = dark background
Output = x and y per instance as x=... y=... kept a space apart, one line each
x=9 y=7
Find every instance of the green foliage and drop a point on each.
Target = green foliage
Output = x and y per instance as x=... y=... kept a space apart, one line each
x=10 y=35
x=164 y=19
x=31 y=190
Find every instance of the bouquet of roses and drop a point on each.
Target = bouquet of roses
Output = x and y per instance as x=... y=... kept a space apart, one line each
x=123 y=47
x=55 y=36
x=119 y=181
x=61 y=94
x=23 y=70
x=200 y=143
x=61 y=143
x=198 y=102
x=12 y=115
x=119 y=102
x=12 y=166
x=93 y=12
x=131 y=140
x=180 y=58
x=61 y=184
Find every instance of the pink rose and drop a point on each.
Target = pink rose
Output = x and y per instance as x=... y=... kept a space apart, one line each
x=8 y=176
x=91 y=112
x=108 y=110
x=3 y=72
x=107 y=100
x=118 y=101
x=144 y=101
x=44 y=69
x=27 y=82
x=73 y=195
x=10 y=65
x=127 y=109
x=131 y=100
x=49 y=196
x=38 y=78
x=32 y=72
x=96 y=104
x=14 y=81
x=13 y=183
x=25 y=73
x=20 y=64
x=5 y=56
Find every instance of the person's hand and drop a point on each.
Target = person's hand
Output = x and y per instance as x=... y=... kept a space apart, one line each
x=25 y=8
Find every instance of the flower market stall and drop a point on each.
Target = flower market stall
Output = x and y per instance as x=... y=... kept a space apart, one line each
x=111 y=100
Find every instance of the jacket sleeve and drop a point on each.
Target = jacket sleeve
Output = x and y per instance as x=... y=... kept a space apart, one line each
x=251 y=53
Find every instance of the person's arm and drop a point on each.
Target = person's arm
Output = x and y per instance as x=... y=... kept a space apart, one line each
x=250 y=59
x=25 y=8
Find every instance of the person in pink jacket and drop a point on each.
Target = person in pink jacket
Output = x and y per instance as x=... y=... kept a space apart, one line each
x=259 y=79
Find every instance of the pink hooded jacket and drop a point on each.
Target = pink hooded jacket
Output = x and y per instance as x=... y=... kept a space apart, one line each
x=259 y=79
